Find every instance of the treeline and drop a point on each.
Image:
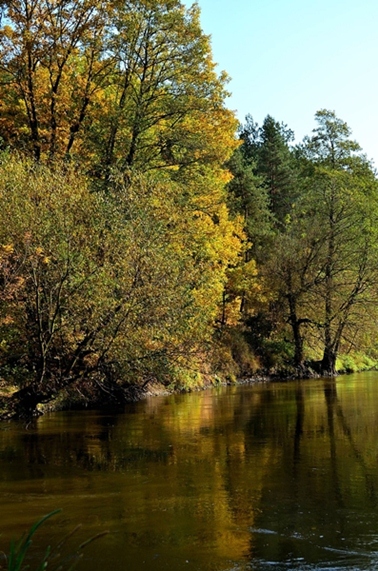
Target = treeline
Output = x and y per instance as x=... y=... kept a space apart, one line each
x=142 y=236
x=310 y=212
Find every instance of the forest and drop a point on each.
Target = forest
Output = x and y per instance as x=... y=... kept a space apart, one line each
x=146 y=237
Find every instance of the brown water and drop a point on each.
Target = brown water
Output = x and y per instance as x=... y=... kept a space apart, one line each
x=278 y=476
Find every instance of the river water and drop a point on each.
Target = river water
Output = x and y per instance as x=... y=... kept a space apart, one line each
x=270 y=476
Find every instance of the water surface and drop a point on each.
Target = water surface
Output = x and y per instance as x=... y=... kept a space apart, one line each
x=273 y=476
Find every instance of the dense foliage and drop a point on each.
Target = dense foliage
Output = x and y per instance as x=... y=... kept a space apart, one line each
x=104 y=290
x=140 y=240
x=318 y=259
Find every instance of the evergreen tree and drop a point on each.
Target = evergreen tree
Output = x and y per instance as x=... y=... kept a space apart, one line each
x=275 y=164
x=249 y=197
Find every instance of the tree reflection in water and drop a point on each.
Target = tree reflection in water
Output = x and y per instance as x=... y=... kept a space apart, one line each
x=282 y=473
x=331 y=512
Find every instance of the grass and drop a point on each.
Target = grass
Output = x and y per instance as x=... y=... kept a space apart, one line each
x=52 y=557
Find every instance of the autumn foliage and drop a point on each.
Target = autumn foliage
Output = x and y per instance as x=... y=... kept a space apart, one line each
x=141 y=240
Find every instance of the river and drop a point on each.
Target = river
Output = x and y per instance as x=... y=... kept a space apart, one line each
x=253 y=477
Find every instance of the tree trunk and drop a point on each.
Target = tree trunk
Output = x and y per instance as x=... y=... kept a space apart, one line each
x=298 y=344
x=296 y=326
x=328 y=364
x=22 y=404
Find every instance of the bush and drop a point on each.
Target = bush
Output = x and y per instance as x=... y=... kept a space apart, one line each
x=354 y=362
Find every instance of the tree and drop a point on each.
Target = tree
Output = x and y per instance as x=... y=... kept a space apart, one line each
x=130 y=284
x=319 y=271
x=164 y=90
x=61 y=308
x=51 y=64
x=248 y=196
x=276 y=166
x=267 y=148
x=264 y=189
x=100 y=293
x=292 y=273
x=113 y=85
x=349 y=274
x=336 y=222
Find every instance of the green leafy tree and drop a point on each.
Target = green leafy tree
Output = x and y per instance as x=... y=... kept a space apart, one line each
x=276 y=166
x=166 y=103
x=318 y=275
x=264 y=189
x=326 y=264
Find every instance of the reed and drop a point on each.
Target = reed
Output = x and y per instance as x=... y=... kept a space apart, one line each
x=55 y=558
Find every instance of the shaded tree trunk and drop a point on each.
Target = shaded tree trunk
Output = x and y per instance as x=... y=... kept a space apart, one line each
x=295 y=325
x=328 y=363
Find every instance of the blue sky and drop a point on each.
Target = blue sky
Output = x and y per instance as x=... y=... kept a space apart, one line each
x=290 y=58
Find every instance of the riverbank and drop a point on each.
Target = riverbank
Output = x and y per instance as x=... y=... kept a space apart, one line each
x=113 y=397
x=136 y=393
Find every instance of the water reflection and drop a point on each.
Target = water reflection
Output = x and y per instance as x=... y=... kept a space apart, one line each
x=239 y=478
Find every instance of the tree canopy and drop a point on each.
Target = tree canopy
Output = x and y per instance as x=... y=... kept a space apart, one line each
x=128 y=84
x=319 y=262
x=147 y=237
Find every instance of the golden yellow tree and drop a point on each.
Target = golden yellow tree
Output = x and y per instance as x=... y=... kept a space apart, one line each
x=127 y=84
